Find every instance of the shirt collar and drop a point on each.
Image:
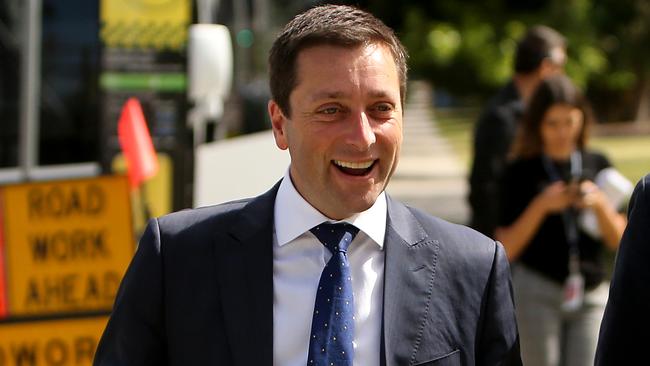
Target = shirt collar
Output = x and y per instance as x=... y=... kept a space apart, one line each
x=294 y=215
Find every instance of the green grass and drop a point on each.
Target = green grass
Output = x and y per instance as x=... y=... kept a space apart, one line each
x=629 y=154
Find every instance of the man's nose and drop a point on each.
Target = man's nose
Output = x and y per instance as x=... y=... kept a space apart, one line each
x=361 y=134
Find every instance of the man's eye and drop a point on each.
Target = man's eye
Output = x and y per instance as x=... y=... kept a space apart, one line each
x=383 y=108
x=329 y=110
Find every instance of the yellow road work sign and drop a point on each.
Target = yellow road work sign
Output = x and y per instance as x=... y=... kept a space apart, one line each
x=52 y=342
x=145 y=24
x=67 y=245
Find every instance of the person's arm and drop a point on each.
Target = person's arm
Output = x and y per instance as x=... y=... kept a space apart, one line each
x=626 y=321
x=516 y=237
x=499 y=338
x=610 y=222
x=135 y=333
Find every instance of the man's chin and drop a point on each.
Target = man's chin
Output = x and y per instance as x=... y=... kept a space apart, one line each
x=355 y=204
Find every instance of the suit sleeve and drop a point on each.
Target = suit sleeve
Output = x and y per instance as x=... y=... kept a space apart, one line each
x=498 y=341
x=623 y=332
x=135 y=332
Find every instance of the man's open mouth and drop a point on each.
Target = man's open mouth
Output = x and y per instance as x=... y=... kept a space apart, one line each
x=360 y=168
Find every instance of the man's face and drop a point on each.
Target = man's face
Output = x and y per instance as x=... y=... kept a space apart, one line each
x=554 y=64
x=345 y=129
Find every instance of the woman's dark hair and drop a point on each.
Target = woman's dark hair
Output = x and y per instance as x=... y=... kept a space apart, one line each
x=554 y=90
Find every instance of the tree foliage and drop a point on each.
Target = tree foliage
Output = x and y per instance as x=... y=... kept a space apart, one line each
x=467 y=47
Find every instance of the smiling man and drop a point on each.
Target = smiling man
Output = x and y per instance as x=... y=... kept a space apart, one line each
x=343 y=126
x=324 y=269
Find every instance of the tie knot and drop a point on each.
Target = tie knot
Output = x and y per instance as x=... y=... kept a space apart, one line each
x=335 y=237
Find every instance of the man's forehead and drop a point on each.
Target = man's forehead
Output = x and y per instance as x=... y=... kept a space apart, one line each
x=376 y=56
x=363 y=49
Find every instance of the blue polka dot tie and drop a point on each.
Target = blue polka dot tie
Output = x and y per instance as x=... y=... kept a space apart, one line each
x=332 y=327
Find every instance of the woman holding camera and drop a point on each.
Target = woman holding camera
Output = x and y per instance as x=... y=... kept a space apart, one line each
x=558 y=278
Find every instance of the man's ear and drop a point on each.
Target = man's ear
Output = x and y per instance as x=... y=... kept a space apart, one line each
x=279 y=124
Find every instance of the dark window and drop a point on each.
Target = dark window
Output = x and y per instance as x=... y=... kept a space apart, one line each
x=69 y=115
x=10 y=36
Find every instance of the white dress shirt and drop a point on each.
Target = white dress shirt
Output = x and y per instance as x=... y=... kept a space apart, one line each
x=299 y=259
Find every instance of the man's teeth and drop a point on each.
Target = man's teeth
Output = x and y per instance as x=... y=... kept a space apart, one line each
x=351 y=165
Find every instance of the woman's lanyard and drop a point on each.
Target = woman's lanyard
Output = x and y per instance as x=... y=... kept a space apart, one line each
x=570 y=215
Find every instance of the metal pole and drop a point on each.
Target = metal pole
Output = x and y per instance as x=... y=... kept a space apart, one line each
x=30 y=87
x=261 y=17
x=206 y=11
x=242 y=55
x=261 y=23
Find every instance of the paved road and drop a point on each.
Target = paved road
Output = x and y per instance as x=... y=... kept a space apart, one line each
x=429 y=175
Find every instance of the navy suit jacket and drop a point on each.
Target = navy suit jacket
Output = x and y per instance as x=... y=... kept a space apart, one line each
x=624 y=331
x=199 y=291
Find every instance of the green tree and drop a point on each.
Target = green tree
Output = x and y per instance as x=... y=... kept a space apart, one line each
x=467 y=47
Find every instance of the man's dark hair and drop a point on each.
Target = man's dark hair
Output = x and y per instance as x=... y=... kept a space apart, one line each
x=336 y=25
x=535 y=46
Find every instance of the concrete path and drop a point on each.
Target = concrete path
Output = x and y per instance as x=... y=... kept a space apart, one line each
x=429 y=175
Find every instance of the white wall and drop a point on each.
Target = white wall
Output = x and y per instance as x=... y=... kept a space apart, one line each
x=236 y=168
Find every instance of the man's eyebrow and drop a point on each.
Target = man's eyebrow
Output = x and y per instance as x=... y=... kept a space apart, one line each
x=330 y=94
x=379 y=94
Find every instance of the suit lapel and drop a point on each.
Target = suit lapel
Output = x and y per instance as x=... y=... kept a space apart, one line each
x=409 y=276
x=245 y=264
